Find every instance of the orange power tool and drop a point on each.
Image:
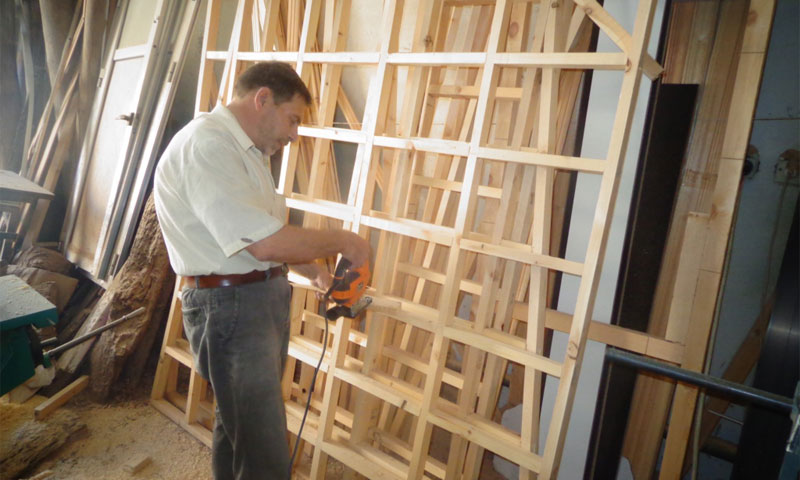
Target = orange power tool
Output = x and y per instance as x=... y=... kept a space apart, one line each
x=347 y=290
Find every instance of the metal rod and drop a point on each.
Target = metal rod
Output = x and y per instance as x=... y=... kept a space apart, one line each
x=743 y=392
x=725 y=417
x=94 y=332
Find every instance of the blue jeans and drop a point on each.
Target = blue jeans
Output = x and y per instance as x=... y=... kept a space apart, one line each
x=239 y=337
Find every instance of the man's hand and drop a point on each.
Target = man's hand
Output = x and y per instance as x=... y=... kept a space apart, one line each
x=323 y=279
x=320 y=278
x=356 y=249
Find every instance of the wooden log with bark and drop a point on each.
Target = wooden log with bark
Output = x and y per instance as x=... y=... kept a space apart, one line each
x=143 y=281
x=25 y=442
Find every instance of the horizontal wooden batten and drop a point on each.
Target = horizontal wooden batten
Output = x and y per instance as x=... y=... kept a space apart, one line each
x=611 y=335
x=294 y=415
x=440 y=183
x=563 y=60
x=432 y=145
x=569 y=60
x=512 y=251
x=179 y=416
x=308 y=352
x=529 y=157
x=468 y=286
x=392 y=393
x=409 y=228
x=325 y=208
x=332 y=133
x=288 y=57
x=341 y=58
x=366 y=460
x=489 y=435
x=484 y=341
x=454 y=186
x=413 y=314
x=413 y=361
x=181 y=352
x=372 y=465
x=472 y=91
x=401 y=448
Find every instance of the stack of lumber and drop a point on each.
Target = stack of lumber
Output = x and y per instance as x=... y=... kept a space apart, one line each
x=722 y=47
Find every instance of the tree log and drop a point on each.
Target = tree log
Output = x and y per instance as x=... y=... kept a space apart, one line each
x=141 y=282
x=44 y=258
x=30 y=442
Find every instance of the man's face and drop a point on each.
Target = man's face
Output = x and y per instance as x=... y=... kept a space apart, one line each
x=277 y=124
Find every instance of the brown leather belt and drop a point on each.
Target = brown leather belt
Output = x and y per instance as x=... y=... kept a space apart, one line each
x=214 y=281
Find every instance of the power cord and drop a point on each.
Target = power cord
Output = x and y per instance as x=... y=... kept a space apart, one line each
x=308 y=401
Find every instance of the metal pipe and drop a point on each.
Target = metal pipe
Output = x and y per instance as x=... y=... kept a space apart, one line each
x=743 y=392
x=94 y=332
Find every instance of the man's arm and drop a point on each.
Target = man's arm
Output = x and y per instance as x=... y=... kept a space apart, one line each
x=295 y=245
x=320 y=277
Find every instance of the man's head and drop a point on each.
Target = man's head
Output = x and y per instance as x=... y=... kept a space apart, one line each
x=269 y=102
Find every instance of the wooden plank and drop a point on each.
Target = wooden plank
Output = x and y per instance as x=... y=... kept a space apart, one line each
x=742 y=363
x=726 y=157
x=172 y=332
x=685 y=397
x=63 y=396
x=172 y=412
x=137 y=463
x=647 y=424
x=715 y=251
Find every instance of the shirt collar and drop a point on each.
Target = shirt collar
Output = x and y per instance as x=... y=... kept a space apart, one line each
x=222 y=114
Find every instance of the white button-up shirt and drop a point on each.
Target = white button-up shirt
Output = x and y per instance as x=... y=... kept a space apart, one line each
x=214 y=196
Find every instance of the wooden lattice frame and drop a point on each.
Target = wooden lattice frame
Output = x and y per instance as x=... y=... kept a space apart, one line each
x=454 y=188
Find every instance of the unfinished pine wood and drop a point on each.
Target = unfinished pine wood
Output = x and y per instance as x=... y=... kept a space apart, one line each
x=726 y=192
x=722 y=132
x=185 y=410
x=457 y=151
x=63 y=396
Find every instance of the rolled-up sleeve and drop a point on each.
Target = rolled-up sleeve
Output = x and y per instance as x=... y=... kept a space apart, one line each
x=224 y=198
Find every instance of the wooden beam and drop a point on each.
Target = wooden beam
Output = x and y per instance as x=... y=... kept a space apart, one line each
x=63 y=396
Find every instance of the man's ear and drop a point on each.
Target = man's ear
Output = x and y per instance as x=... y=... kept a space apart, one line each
x=262 y=96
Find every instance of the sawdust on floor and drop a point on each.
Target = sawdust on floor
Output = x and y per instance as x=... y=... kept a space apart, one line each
x=122 y=432
x=129 y=428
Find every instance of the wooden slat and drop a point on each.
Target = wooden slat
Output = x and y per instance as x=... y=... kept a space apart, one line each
x=715 y=251
x=64 y=395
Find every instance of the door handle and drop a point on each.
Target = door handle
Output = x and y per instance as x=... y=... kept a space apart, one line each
x=128 y=118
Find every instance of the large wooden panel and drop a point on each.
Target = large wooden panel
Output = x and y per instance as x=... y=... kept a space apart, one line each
x=456 y=155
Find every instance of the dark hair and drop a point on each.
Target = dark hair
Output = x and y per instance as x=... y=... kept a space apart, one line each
x=278 y=76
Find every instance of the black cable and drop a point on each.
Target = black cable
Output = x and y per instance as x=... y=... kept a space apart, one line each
x=308 y=402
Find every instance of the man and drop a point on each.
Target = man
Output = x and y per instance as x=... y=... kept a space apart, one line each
x=223 y=224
